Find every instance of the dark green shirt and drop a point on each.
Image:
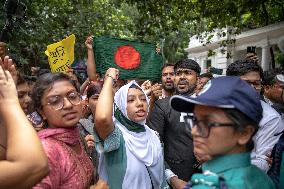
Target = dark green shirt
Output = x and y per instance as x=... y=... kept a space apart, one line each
x=281 y=177
x=234 y=171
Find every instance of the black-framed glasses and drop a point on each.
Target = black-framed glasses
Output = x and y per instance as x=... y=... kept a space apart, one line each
x=204 y=126
x=57 y=102
x=254 y=84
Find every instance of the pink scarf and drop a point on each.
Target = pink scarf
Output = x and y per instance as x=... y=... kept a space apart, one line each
x=70 y=136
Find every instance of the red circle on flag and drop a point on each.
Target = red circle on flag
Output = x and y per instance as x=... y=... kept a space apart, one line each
x=127 y=57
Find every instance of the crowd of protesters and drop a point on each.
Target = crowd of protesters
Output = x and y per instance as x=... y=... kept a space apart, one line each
x=188 y=130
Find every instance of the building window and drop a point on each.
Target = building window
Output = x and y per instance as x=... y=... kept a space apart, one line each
x=208 y=63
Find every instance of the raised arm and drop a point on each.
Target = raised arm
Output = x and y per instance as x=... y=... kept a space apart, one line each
x=26 y=163
x=104 y=109
x=84 y=86
x=91 y=64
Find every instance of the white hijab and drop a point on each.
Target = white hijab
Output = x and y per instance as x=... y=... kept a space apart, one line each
x=145 y=146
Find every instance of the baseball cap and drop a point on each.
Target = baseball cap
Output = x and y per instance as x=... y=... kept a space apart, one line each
x=280 y=78
x=223 y=92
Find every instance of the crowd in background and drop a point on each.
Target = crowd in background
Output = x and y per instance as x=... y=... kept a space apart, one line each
x=188 y=130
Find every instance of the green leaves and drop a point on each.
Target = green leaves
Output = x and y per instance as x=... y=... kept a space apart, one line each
x=170 y=21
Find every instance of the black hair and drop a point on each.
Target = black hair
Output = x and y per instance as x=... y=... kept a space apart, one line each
x=43 y=71
x=208 y=75
x=21 y=80
x=30 y=78
x=242 y=121
x=188 y=64
x=269 y=78
x=241 y=67
x=133 y=86
x=45 y=82
x=167 y=65
x=93 y=89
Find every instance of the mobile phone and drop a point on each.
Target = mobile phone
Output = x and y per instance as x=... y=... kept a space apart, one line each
x=35 y=118
x=251 y=49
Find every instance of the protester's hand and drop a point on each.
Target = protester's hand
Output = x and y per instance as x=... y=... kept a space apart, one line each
x=252 y=56
x=35 y=70
x=177 y=183
x=70 y=71
x=158 y=50
x=269 y=159
x=100 y=185
x=71 y=74
x=8 y=92
x=146 y=86
x=85 y=108
x=39 y=127
x=90 y=140
x=7 y=64
x=202 y=158
x=157 y=90
x=113 y=73
x=89 y=42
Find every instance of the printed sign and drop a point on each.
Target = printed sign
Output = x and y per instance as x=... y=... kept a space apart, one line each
x=61 y=54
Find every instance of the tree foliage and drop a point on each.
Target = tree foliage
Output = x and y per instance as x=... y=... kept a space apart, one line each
x=201 y=17
x=48 y=21
x=169 y=23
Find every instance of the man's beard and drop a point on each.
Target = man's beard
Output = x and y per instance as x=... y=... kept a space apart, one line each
x=168 y=88
x=190 y=88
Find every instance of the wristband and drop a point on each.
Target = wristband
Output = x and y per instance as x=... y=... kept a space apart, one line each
x=113 y=80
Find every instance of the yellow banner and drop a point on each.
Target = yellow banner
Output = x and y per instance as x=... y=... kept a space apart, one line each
x=61 y=54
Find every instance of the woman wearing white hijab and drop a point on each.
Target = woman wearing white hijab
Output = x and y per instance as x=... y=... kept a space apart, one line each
x=130 y=152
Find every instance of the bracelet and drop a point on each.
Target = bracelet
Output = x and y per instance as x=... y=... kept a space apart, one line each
x=113 y=80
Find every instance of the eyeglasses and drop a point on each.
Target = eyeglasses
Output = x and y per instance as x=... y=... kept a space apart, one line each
x=254 y=84
x=57 y=102
x=204 y=126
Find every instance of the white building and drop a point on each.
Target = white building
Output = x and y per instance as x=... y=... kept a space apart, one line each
x=263 y=38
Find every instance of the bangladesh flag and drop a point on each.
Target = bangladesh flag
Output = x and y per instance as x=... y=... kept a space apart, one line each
x=134 y=60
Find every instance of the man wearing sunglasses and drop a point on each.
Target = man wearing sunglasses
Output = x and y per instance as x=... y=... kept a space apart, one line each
x=271 y=124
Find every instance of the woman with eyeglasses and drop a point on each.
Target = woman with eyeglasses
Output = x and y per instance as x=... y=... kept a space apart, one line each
x=224 y=121
x=57 y=100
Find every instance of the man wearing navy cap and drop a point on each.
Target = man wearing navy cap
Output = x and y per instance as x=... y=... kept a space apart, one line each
x=224 y=122
x=271 y=124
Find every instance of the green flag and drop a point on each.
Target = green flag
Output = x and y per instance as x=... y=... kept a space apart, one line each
x=134 y=60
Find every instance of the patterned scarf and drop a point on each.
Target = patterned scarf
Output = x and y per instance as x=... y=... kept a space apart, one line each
x=69 y=136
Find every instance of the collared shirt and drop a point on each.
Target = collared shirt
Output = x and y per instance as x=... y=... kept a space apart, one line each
x=267 y=100
x=278 y=107
x=266 y=137
x=231 y=171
